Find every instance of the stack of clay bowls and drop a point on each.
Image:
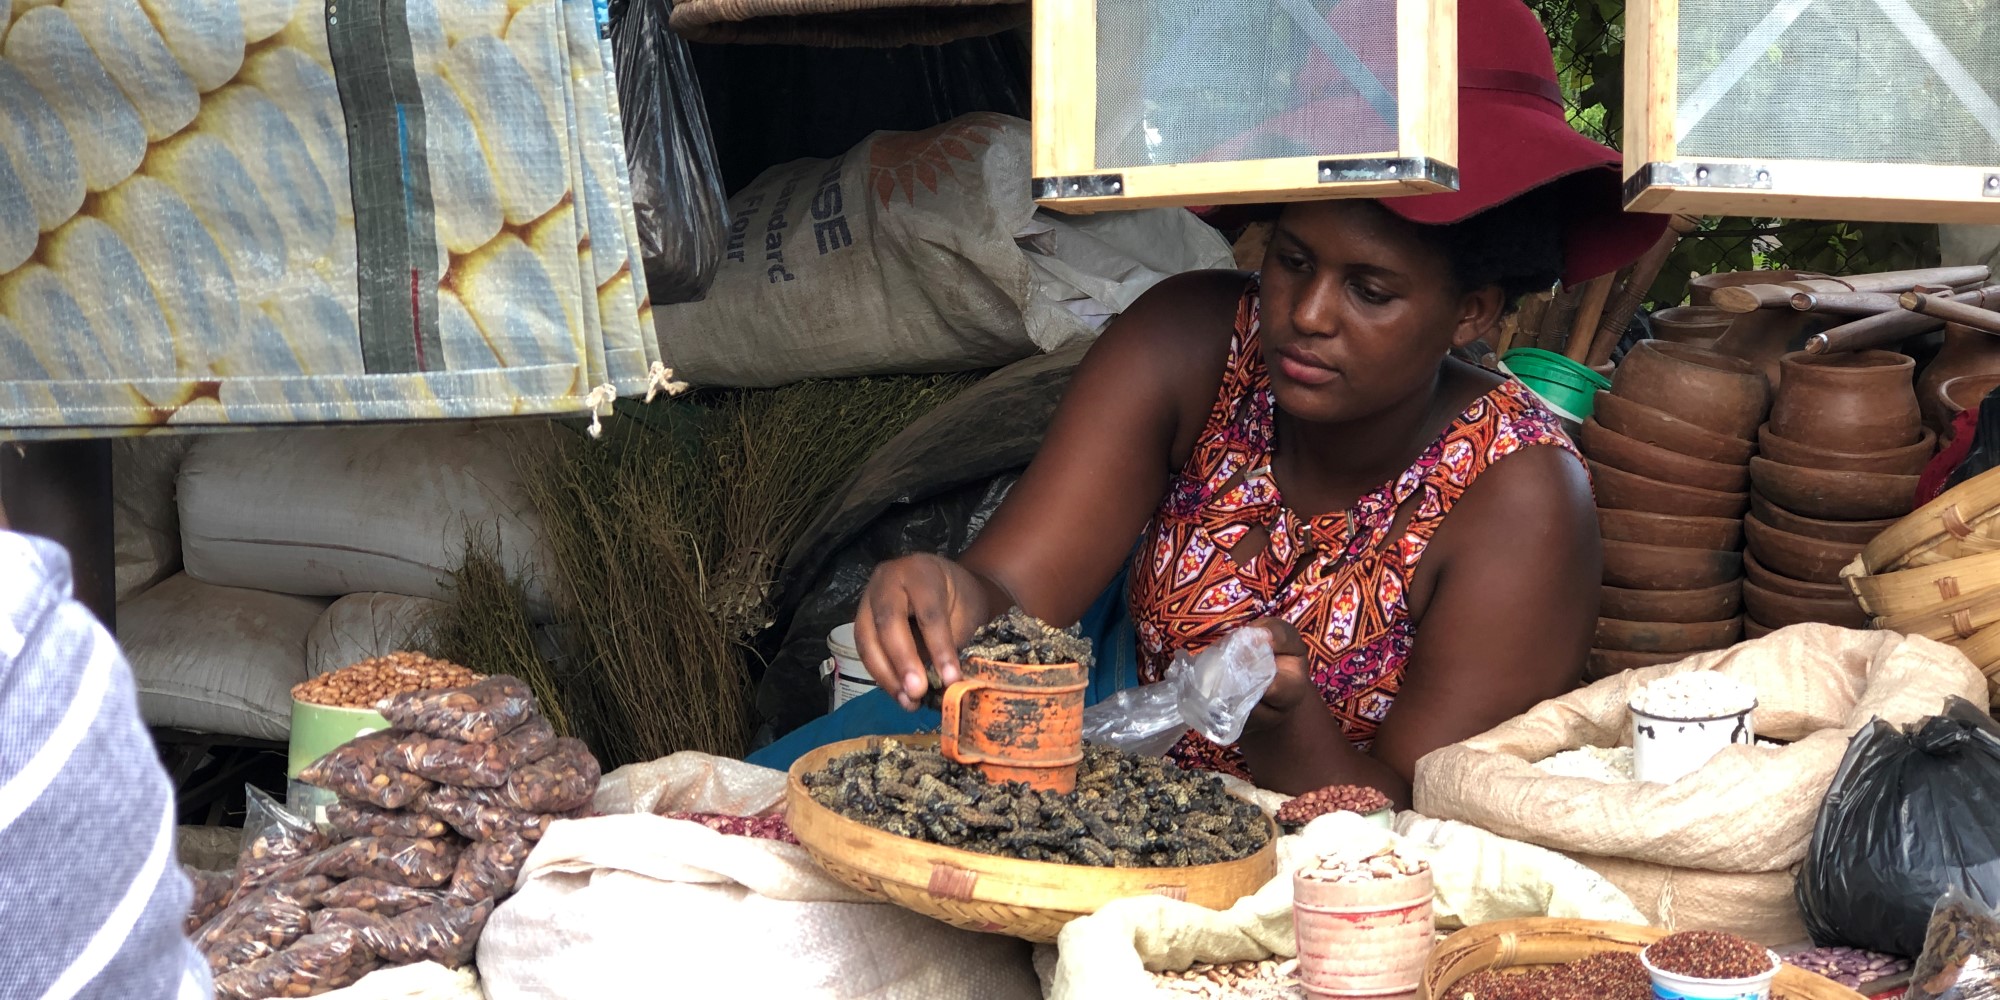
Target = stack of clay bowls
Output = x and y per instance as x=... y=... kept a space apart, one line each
x=1837 y=464
x=1669 y=447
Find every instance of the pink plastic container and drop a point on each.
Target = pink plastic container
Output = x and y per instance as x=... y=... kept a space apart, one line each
x=1363 y=939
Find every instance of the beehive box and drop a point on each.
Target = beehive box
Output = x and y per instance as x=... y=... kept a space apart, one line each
x=1178 y=102
x=1836 y=109
x=229 y=212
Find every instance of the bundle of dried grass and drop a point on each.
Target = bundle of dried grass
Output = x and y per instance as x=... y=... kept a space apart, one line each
x=667 y=535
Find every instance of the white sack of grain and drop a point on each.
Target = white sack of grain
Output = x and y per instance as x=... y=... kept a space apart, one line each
x=1716 y=848
x=217 y=659
x=915 y=252
x=355 y=510
x=1480 y=877
x=145 y=522
x=422 y=981
x=363 y=626
x=633 y=901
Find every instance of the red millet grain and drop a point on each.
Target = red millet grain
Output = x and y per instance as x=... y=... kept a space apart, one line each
x=1709 y=955
x=1611 y=975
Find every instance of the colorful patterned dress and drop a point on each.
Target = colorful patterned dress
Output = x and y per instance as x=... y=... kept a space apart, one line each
x=1338 y=577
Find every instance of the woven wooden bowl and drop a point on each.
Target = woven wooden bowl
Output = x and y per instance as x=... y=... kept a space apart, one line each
x=1031 y=900
x=1539 y=942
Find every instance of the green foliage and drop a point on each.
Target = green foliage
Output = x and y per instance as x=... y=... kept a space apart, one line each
x=1588 y=39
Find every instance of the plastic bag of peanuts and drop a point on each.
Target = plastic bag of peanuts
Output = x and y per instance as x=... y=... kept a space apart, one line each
x=348 y=820
x=275 y=837
x=488 y=870
x=472 y=765
x=354 y=770
x=417 y=862
x=376 y=896
x=477 y=713
x=446 y=933
x=316 y=963
x=474 y=821
x=558 y=783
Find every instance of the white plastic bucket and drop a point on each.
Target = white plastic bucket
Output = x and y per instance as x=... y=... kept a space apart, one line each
x=1666 y=750
x=850 y=678
x=1668 y=986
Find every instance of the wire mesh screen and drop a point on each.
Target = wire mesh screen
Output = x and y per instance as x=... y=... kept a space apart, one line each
x=1193 y=81
x=1895 y=81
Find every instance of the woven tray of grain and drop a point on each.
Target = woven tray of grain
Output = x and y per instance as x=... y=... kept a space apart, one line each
x=1538 y=942
x=1031 y=900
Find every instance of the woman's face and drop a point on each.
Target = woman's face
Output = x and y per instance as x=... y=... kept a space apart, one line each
x=1359 y=312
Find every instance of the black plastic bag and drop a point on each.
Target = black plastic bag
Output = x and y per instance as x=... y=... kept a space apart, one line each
x=1912 y=814
x=677 y=193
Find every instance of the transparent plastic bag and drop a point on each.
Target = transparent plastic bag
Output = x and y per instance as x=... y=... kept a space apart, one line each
x=349 y=820
x=315 y=964
x=273 y=837
x=355 y=771
x=1961 y=958
x=373 y=895
x=479 y=821
x=677 y=189
x=1211 y=693
x=420 y=863
x=561 y=782
x=211 y=893
x=473 y=765
x=264 y=912
x=488 y=870
x=476 y=713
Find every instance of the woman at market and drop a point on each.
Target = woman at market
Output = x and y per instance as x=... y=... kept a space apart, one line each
x=1298 y=450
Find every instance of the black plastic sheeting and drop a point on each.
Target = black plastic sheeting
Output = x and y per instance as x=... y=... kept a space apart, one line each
x=930 y=489
x=772 y=104
x=1912 y=813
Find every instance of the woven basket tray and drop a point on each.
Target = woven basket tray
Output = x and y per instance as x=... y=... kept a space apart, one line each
x=1963 y=521
x=1919 y=589
x=1539 y=942
x=1031 y=900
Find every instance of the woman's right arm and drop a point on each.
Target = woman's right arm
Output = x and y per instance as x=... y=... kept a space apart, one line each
x=1130 y=416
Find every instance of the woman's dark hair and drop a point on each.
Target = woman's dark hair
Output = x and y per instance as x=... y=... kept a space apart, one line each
x=1517 y=245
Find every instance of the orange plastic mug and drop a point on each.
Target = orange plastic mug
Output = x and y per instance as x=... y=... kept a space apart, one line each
x=1017 y=721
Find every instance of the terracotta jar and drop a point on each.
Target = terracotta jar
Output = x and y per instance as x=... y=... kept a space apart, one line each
x=1854 y=403
x=1697 y=326
x=1965 y=352
x=1702 y=387
x=1961 y=394
x=1764 y=337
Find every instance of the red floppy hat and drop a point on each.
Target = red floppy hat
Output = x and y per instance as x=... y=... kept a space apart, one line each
x=1513 y=137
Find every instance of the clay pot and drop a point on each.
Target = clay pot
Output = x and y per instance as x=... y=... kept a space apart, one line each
x=1606 y=662
x=1363 y=939
x=1724 y=394
x=1752 y=630
x=1707 y=604
x=1754 y=572
x=1701 y=291
x=1621 y=490
x=1696 y=326
x=1778 y=517
x=1956 y=396
x=1653 y=462
x=1813 y=560
x=1017 y=721
x=1779 y=610
x=1659 y=567
x=1671 y=530
x=1966 y=352
x=1655 y=427
x=1853 y=403
x=1906 y=461
x=1834 y=496
x=1667 y=637
x=1764 y=337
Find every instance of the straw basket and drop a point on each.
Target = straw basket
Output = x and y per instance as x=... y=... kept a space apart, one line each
x=1538 y=942
x=1031 y=900
x=1964 y=521
x=1922 y=588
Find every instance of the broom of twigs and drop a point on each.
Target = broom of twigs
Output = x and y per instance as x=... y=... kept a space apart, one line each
x=666 y=537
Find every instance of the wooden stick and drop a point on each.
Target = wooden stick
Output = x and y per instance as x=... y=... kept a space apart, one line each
x=1951 y=311
x=1750 y=298
x=1589 y=311
x=1554 y=334
x=1846 y=303
x=1889 y=328
x=1618 y=314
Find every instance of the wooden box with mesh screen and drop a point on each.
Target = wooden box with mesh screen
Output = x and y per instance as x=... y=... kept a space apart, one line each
x=1192 y=102
x=1883 y=110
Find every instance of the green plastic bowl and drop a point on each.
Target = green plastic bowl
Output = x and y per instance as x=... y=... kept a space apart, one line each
x=1570 y=389
x=318 y=729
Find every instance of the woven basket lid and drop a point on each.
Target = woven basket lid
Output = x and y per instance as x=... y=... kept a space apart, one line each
x=844 y=23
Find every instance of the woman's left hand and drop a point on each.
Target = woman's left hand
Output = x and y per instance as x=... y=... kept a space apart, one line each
x=1293 y=687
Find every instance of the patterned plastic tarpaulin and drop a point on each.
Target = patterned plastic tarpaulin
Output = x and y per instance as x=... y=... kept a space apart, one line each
x=222 y=213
